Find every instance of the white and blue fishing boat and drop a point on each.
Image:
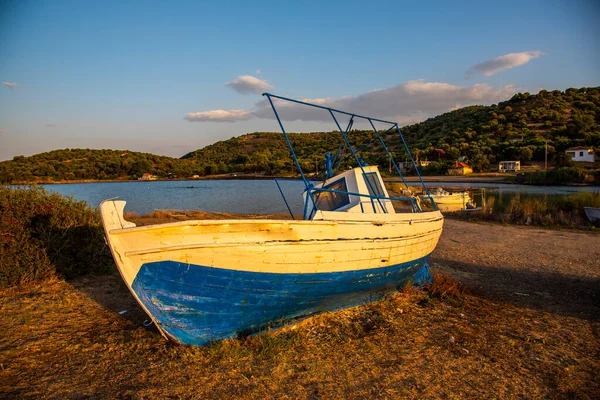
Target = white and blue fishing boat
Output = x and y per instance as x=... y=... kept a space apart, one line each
x=206 y=280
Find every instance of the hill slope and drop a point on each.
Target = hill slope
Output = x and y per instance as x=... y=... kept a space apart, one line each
x=516 y=129
x=83 y=164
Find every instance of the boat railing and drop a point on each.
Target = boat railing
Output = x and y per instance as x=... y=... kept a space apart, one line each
x=412 y=200
x=344 y=133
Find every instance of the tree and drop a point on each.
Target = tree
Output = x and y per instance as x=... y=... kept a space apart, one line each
x=524 y=154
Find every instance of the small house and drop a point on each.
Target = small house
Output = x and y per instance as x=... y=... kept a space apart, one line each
x=148 y=177
x=460 y=168
x=581 y=154
x=509 y=166
x=408 y=165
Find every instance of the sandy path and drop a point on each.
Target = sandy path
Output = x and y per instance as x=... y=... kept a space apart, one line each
x=557 y=271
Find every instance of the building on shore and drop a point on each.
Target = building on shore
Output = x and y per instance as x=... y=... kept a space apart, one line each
x=460 y=168
x=581 y=154
x=509 y=166
x=148 y=177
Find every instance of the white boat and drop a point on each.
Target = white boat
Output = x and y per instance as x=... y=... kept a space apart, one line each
x=201 y=281
x=593 y=213
x=441 y=196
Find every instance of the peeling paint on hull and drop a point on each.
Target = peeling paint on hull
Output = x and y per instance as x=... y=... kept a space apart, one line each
x=195 y=305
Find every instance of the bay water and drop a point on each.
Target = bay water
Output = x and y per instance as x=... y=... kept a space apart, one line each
x=251 y=196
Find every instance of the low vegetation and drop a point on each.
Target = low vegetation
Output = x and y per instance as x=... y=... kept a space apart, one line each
x=563 y=211
x=45 y=235
x=561 y=176
x=86 y=339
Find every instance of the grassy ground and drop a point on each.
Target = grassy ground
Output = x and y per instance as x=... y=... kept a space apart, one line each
x=523 y=323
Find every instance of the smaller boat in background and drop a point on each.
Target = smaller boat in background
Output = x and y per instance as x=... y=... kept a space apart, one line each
x=441 y=196
x=593 y=213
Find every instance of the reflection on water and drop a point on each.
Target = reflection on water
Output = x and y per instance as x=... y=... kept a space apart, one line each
x=262 y=196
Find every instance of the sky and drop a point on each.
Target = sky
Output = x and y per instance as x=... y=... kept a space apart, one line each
x=171 y=77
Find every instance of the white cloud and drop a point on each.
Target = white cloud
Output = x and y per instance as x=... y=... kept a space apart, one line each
x=9 y=85
x=246 y=84
x=490 y=67
x=218 y=116
x=406 y=103
x=258 y=72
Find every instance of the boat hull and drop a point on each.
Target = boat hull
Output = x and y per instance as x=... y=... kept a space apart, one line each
x=202 y=281
x=195 y=305
x=592 y=213
x=450 y=199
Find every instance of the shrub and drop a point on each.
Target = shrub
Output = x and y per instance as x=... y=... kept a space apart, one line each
x=44 y=235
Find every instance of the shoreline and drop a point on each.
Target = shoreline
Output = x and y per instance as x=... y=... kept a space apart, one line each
x=484 y=178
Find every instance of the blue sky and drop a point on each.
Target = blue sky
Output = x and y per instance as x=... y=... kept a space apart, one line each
x=148 y=76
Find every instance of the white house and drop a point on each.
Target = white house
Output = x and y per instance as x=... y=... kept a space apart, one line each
x=505 y=166
x=581 y=154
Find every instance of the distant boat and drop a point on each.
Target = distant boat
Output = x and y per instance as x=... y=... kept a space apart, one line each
x=206 y=280
x=593 y=213
x=442 y=196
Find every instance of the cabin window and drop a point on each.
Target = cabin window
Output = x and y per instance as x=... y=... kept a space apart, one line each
x=374 y=184
x=581 y=154
x=328 y=201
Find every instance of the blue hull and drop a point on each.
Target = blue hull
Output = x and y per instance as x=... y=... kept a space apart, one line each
x=196 y=305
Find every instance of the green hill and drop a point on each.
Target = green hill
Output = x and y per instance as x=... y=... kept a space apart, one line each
x=266 y=152
x=87 y=164
x=516 y=129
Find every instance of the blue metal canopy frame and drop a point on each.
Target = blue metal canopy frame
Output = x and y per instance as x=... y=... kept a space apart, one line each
x=310 y=189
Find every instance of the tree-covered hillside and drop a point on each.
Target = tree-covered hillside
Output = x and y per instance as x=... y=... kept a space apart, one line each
x=82 y=164
x=267 y=152
x=517 y=129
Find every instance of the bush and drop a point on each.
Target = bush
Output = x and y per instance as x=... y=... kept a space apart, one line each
x=44 y=235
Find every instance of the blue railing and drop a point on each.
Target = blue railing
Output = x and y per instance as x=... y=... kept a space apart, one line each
x=310 y=189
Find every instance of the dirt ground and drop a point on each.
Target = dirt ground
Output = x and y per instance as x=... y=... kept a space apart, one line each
x=524 y=322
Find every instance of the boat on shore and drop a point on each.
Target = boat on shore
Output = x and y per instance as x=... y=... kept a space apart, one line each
x=206 y=280
x=441 y=196
x=592 y=213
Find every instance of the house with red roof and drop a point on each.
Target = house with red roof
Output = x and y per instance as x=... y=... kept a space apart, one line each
x=460 y=168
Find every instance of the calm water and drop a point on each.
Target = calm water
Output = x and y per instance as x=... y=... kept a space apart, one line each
x=243 y=196
x=247 y=196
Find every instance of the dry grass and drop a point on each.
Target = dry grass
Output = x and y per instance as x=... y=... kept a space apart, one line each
x=63 y=340
x=469 y=338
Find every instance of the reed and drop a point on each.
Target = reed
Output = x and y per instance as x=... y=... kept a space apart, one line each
x=561 y=176
x=566 y=211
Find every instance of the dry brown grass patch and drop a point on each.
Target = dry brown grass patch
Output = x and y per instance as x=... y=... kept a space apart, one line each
x=62 y=340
